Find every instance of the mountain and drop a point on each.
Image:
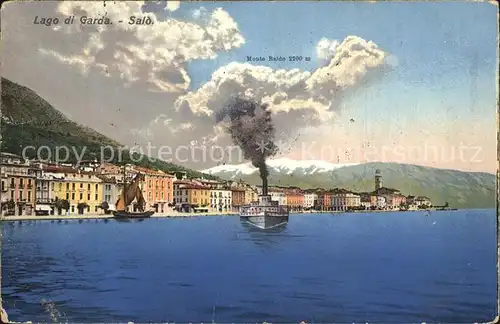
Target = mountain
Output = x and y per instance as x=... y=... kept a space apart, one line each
x=29 y=120
x=460 y=189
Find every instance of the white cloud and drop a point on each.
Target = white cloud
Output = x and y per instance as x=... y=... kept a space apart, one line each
x=297 y=98
x=172 y=5
x=326 y=49
x=200 y=13
x=155 y=54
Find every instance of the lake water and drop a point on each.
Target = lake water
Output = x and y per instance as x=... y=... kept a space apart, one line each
x=374 y=267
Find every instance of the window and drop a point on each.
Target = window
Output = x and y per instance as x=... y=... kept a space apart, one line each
x=12 y=195
x=96 y=197
x=21 y=182
x=67 y=196
x=20 y=195
x=73 y=186
x=3 y=186
x=12 y=182
x=72 y=209
x=81 y=196
x=81 y=185
x=73 y=196
x=96 y=187
x=88 y=187
x=88 y=196
x=29 y=182
x=67 y=186
x=95 y=209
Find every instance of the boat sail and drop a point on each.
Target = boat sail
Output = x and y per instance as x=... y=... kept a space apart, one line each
x=130 y=193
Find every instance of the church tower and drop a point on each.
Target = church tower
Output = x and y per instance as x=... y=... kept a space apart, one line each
x=378 y=180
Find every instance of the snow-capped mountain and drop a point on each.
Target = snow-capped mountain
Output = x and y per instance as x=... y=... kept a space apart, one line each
x=281 y=165
x=460 y=189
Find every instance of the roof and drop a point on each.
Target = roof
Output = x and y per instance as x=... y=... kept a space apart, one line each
x=193 y=186
x=59 y=169
x=106 y=178
x=181 y=182
x=152 y=172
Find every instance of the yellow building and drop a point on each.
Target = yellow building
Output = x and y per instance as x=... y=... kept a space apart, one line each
x=198 y=195
x=250 y=195
x=82 y=190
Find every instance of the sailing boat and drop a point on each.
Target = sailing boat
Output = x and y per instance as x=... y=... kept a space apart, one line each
x=130 y=193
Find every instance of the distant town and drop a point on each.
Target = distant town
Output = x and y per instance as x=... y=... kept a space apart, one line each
x=32 y=187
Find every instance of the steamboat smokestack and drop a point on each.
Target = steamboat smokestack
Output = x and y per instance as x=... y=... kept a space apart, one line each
x=264 y=186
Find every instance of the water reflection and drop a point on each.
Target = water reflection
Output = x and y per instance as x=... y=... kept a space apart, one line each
x=265 y=238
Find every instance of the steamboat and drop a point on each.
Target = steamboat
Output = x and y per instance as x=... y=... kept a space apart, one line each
x=265 y=213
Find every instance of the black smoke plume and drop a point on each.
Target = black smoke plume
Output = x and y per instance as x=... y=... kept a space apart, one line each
x=251 y=128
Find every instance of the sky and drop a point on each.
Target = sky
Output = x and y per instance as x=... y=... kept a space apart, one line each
x=407 y=82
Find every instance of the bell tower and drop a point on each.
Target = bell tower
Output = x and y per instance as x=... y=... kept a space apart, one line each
x=378 y=180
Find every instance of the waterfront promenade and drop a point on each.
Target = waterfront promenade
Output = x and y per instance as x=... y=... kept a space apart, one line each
x=101 y=216
x=174 y=214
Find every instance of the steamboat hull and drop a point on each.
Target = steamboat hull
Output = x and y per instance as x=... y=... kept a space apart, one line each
x=129 y=215
x=264 y=213
x=265 y=222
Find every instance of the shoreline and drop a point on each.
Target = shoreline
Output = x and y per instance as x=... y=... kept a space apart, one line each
x=100 y=216
x=179 y=215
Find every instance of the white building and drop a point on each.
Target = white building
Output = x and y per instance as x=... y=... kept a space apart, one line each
x=221 y=199
x=342 y=201
x=278 y=196
x=110 y=191
x=381 y=202
x=310 y=199
x=422 y=201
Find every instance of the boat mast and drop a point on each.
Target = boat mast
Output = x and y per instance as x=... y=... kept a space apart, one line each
x=125 y=184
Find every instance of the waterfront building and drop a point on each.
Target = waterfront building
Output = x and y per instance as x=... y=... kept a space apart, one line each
x=366 y=201
x=237 y=197
x=324 y=201
x=410 y=200
x=310 y=200
x=423 y=201
x=157 y=188
x=221 y=199
x=189 y=195
x=294 y=199
x=345 y=201
x=44 y=188
x=394 y=201
x=81 y=189
x=180 y=191
x=111 y=190
x=251 y=194
x=380 y=202
x=18 y=185
x=278 y=195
